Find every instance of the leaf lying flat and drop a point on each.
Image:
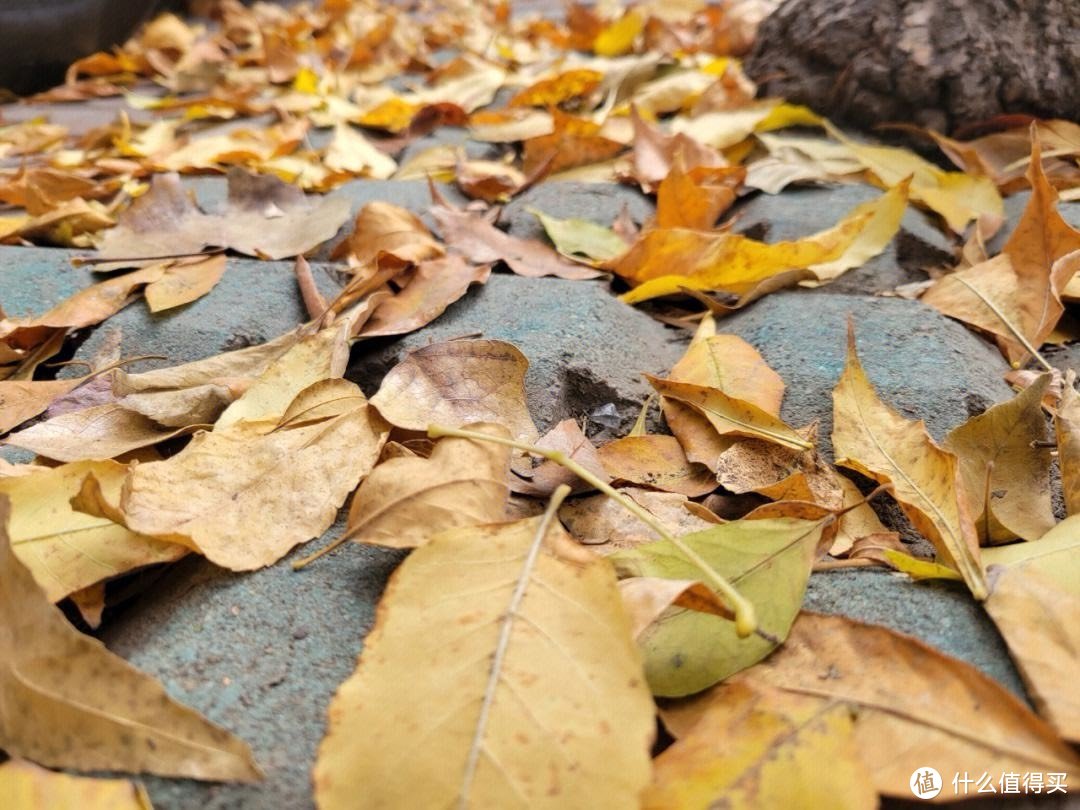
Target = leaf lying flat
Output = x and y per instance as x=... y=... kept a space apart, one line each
x=606 y=525
x=1034 y=603
x=25 y=786
x=1001 y=452
x=655 y=461
x=457 y=383
x=1067 y=431
x=769 y=562
x=754 y=750
x=272 y=490
x=871 y=438
x=404 y=501
x=67 y=702
x=526 y=687
x=913 y=704
x=67 y=550
x=264 y=217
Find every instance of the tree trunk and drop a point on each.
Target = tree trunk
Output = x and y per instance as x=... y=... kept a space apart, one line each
x=938 y=63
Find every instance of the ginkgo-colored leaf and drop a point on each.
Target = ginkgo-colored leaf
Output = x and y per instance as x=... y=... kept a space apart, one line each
x=426 y=293
x=457 y=383
x=1034 y=600
x=351 y=152
x=873 y=439
x=911 y=704
x=405 y=501
x=25 y=786
x=767 y=560
x=1067 y=431
x=752 y=750
x=858 y=522
x=656 y=461
x=695 y=198
x=1003 y=457
x=382 y=229
x=479 y=241
x=719 y=260
x=730 y=364
x=532 y=694
x=264 y=217
x=957 y=197
x=551 y=92
x=1016 y=296
x=730 y=415
x=67 y=702
x=67 y=550
x=21 y=400
x=618 y=37
x=272 y=490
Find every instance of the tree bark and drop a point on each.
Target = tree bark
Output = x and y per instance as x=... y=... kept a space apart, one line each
x=938 y=63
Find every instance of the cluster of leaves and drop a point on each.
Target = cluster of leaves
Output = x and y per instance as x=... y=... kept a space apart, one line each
x=671 y=578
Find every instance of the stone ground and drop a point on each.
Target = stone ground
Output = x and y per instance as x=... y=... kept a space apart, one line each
x=262 y=653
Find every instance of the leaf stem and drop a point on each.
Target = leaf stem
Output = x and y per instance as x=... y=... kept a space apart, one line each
x=745 y=616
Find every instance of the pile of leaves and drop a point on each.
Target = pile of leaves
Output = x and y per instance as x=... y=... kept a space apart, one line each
x=558 y=594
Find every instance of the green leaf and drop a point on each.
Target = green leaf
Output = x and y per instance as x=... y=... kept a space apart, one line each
x=579 y=237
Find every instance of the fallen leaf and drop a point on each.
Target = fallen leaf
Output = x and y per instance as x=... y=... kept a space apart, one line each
x=489 y=180
x=264 y=217
x=730 y=364
x=1067 y=431
x=70 y=703
x=25 y=786
x=426 y=293
x=349 y=151
x=567 y=438
x=403 y=502
x=556 y=90
x=475 y=238
x=655 y=461
x=856 y=523
x=1034 y=598
x=873 y=439
x=655 y=153
x=383 y=229
x=534 y=688
x=580 y=237
x=618 y=37
x=779 y=473
x=271 y=490
x=1016 y=296
x=603 y=523
x=767 y=560
x=1005 y=469
x=911 y=704
x=764 y=748
x=695 y=198
x=573 y=142
x=184 y=282
x=21 y=400
x=457 y=383
x=646 y=598
x=67 y=550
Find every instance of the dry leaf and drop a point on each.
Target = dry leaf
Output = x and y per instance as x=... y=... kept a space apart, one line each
x=604 y=524
x=911 y=704
x=264 y=217
x=1067 y=431
x=1005 y=467
x=67 y=702
x=655 y=153
x=349 y=151
x=873 y=439
x=405 y=501
x=542 y=480
x=271 y=490
x=573 y=142
x=658 y=462
x=646 y=598
x=457 y=383
x=695 y=198
x=383 y=229
x=756 y=748
x=25 y=786
x=67 y=550
x=548 y=705
x=184 y=282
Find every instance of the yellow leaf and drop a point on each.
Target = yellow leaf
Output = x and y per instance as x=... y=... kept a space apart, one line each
x=618 y=37
x=349 y=151
x=65 y=549
x=750 y=750
x=911 y=705
x=565 y=86
x=25 y=786
x=1067 y=430
x=525 y=685
x=885 y=215
x=67 y=702
x=184 y=282
x=655 y=461
x=405 y=501
x=873 y=439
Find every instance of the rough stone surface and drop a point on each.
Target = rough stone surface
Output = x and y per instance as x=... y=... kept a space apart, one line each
x=939 y=63
x=799 y=212
x=585 y=348
x=923 y=364
x=942 y=614
x=598 y=202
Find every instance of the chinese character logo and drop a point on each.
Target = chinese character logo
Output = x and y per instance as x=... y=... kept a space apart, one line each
x=925 y=783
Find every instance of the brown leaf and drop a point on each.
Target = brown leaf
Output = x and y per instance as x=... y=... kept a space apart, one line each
x=264 y=217
x=70 y=703
x=655 y=153
x=457 y=383
x=566 y=437
x=574 y=142
x=604 y=524
x=873 y=439
x=385 y=230
x=183 y=282
x=658 y=462
x=1067 y=431
x=406 y=501
x=695 y=198
x=913 y=705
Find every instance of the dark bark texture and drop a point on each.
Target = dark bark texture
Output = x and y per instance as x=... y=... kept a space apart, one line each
x=938 y=63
